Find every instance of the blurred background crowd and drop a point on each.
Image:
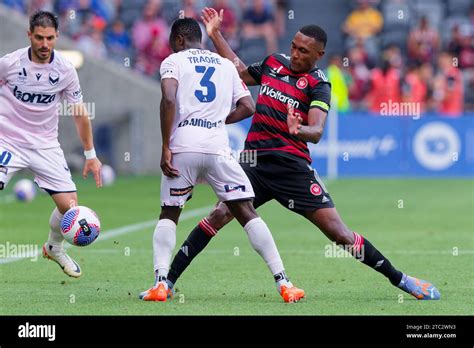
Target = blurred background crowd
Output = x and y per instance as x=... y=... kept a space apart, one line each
x=419 y=51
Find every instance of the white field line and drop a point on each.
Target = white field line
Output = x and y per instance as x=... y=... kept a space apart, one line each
x=231 y=251
x=185 y=215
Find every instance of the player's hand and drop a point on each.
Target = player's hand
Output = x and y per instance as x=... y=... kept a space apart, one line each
x=212 y=20
x=166 y=166
x=294 y=120
x=93 y=166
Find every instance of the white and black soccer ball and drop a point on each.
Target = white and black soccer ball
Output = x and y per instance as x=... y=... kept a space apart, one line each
x=25 y=190
x=108 y=175
x=80 y=226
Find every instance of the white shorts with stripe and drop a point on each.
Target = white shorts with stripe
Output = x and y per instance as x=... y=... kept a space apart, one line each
x=223 y=173
x=49 y=166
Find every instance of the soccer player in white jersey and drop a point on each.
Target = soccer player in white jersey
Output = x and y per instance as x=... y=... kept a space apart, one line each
x=199 y=89
x=33 y=80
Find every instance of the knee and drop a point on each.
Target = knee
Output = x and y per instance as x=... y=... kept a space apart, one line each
x=64 y=205
x=220 y=216
x=340 y=234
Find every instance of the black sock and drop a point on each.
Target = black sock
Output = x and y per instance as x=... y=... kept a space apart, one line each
x=370 y=256
x=197 y=240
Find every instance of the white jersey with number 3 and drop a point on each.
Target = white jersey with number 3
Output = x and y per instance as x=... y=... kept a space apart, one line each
x=209 y=86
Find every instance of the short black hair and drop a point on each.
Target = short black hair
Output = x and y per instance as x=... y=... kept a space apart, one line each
x=316 y=32
x=187 y=27
x=43 y=19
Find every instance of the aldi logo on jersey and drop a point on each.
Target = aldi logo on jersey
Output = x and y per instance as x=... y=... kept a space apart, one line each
x=232 y=188
x=34 y=98
x=53 y=78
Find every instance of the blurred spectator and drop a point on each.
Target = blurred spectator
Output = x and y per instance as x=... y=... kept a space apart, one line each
x=423 y=42
x=339 y=79
x=189 y=10
x=16 y=5
x=360 y=77
x=229 y=26
x=93 y=44
x=36 y=5
x=117 y=41
x=363 y=24
x=448 y=87
x=150 y=38
x=258 y=22
x=281 y=14
x=414 y=87
x=385 y=86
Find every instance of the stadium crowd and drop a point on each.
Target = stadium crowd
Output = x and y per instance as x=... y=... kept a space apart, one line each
x=392 y=50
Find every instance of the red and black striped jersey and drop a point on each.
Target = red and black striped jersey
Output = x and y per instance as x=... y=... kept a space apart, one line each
x=279 y=86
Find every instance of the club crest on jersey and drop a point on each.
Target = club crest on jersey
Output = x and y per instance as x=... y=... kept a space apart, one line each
x=315 y=189
x=302 y=83
x=53 y=78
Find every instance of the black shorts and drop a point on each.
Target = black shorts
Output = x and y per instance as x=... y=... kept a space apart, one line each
x=292 y=182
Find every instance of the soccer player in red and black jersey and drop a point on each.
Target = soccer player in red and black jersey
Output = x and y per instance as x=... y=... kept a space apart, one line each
x=291 y=110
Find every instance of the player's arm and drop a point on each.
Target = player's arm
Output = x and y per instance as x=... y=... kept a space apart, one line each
x=4 y=63
x=213 y=20
x=313 y=131
x=245 y=107
x=169 y=87
x=84 y=130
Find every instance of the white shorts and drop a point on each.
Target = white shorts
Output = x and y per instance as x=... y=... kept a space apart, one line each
x=49 y=166
x=224 y=174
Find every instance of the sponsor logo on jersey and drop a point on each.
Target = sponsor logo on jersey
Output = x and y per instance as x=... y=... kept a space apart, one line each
x=38 y=76
x=53 y=78
x=77 y=93
x=315 y=189
x=286 y=78
x=232 y=188
x=34 y=98
x=180 y=191
x=272 y=93
x=200 y=122
x=302 y=83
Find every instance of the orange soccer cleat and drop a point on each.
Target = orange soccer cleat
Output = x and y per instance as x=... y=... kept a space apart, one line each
x=291 y=294
x=160 y=293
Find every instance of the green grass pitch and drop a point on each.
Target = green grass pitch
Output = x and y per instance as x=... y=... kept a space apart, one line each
x=431 y=237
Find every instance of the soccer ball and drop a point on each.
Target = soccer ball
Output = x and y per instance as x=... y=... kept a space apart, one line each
x=25 y=190
x=80 y=226
x=108 y=175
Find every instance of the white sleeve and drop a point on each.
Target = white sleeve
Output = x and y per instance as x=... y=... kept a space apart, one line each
x=73 y=92
x=239 y=89
x=169 y=69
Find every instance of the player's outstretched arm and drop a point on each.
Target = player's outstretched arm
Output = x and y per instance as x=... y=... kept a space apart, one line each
x=169 y=88
x=212 y=21
x=84 y=130
x=311 y=132
x=245 y=107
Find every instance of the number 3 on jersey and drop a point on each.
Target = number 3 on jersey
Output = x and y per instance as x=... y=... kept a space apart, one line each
x=206 y=82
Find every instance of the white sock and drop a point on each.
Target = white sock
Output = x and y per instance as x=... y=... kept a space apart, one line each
x=55 y=237
x=262 y=241
x=164 y=241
